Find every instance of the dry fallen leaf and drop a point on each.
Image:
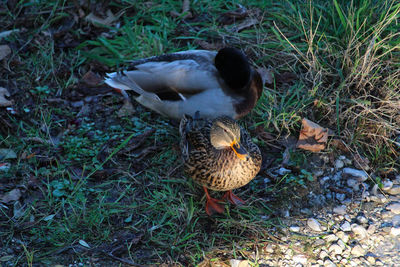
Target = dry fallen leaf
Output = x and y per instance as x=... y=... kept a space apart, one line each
x=266 y=75
x=232 y=16
x=361 y=162
x=5 y=50
x=3 y=101
x=244 y=25
x=91 y=78
x=127 y=109
x=185 y=10
x=99 y=22
x=312 y=136
x=10 y=196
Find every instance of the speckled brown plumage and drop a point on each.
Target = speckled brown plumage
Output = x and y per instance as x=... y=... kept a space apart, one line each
x=216 y=169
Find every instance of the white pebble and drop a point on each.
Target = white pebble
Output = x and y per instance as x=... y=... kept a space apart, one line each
x=346 y=227
x=335 y=249
x=339 y=164
x=395 y=190
x=323 y=254
x=343 y=236
x=371 y=260
x=239 y=263
x=395 y=231
x=359 y=174
x=294 y=228
x=362 y=219
x=340 y=210
x=329 y=263
x=341 y=244
x=357 y=251
x=359 y=230
x=331 y=238
x=396 y=220
x=387 y=184
x=314 y=224
x=394 y=207
x=300 y=259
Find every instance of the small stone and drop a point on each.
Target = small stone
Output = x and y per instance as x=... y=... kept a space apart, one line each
x=379 y=198
x=359 y=174
x=335 y=249
x=294 y=228
x=317 y=173
x=345 y=227
x=323 y=254
x=329 y=263
x=357 y=251
x=340 y=197
x=359 y=230
x=387 y=184
x=341 y=244
x=386 y=214
x=314 y=225
x=239 y=263
x=289 y=253
x=347 y=217
x=306 y=211
x=344 y=262
x=394 y=207
x=340 y=210
x=323 y=180
x=396 y=220
x=331 y=238
x=355 y=185
x=267 y=180
x=302 y=259
x=319 y=242
x=365 y=195
x=343 y=236
x=361 y=219
x=339 y=164
x=395 y=231
x=285 y=213
x=283 y=171
x=395 y=190
x=269 y=248
x=337 y=176
x=371 y=260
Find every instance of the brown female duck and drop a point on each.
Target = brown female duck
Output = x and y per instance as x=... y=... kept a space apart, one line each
x=219 y=155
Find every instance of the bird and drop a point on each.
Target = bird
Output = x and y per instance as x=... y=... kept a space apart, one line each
x=214 y=82
x=218 y=155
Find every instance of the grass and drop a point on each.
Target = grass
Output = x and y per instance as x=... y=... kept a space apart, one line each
x=87 y=192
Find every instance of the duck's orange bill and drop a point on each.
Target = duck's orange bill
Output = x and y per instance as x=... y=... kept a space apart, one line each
x=239 y=150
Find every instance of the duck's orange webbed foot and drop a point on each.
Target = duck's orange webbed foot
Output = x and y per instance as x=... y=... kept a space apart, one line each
x=212 y=205
x=233 y=198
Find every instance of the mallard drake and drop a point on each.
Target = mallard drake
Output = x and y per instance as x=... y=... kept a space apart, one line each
x=219 y=155
x=215 y=83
